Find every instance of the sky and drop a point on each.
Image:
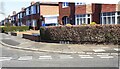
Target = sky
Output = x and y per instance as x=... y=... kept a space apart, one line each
x=16 y=5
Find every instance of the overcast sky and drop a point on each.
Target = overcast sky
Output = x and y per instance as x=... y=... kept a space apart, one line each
x=16 y=5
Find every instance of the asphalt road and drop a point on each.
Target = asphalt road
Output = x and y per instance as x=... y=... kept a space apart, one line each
x=19 y=58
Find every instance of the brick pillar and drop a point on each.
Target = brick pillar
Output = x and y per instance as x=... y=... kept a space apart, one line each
x=96 y=11
x=72 y=13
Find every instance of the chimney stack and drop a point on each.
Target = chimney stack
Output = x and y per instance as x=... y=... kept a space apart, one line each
x=33 y=2
x=14 y=12
x=23 y=8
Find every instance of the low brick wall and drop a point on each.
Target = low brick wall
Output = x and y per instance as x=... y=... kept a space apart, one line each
x=31 y=37
x=82 y=34
x=13 y=33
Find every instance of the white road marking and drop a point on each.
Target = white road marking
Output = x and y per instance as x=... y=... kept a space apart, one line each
x=103 y=55
x=45 y=57
x=66 y=57
x=117 y=49
x=98 y=50
x=89 y=53
x=106 y=57
x=25 y=58
x=114 y=54
x=81 y=52
x=5 y=58
x=86 y=57
x=97 y=53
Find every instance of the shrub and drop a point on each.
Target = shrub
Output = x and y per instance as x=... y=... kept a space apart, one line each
x=15 y=28
x=68 y=25
x=82 y=34
x=93 y=23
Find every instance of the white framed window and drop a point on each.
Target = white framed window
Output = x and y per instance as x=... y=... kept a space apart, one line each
x=79 y=3
x=33 y=9
x=20 y=24
x=108 y=18
x=28 y=23
x=118 y=17
x=20 y=15
x=27 y=11
x=34 y=23
x=82 y=19
x=65 y=4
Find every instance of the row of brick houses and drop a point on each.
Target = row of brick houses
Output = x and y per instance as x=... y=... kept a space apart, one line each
x=77 y=14
x=66 y=12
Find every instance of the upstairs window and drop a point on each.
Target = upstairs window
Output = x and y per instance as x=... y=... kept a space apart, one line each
x=79 y=3
x=23 y=14
x=33 y=9
x=65 y=4
x=27 y=11
x=20 y=15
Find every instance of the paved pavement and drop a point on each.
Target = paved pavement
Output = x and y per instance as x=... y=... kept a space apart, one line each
x=24 y=44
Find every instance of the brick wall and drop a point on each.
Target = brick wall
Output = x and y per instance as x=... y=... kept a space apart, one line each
x=72 y=13
x=108 y=8
x=64 y=11
x=80 y=9
x=96 y=10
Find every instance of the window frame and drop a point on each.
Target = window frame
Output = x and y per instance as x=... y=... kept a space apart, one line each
x=27 y=11
x=83 y=18
x=65 y=4
x=33 y=9
x=79 y=3
x=108 y=16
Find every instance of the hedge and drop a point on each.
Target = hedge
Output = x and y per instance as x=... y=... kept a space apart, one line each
x=82 y=33
x=15 y=28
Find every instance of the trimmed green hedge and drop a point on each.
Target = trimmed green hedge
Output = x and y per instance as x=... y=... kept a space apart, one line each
x=82 y=34
x=15 y=28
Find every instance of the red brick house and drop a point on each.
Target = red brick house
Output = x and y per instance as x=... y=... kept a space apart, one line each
x=41 y=12
x=76 y=13
x=36 y=14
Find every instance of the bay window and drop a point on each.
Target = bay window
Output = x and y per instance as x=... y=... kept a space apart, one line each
x=118 y=17
x=110 y=18
x=83 y=19
x=28 y=23
x=34 y=23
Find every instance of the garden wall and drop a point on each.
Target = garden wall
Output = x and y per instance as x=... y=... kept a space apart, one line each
x=82 y=34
